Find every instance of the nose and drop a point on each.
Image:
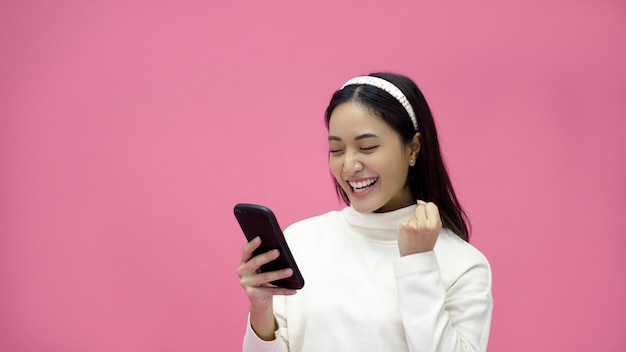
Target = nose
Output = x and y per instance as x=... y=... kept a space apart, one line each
x=351 y=165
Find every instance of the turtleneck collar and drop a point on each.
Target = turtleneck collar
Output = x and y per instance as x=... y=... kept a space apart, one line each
x=379 y=227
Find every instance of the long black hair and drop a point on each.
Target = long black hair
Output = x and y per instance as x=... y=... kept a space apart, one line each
x=428 y=179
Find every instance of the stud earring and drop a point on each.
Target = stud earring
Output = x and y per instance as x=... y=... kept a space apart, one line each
x=412 y=162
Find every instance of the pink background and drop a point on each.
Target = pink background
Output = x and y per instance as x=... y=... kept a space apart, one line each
x=129 y=129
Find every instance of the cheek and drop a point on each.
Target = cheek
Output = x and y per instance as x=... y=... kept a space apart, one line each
x=393 y=168
x=401 y=173
x=335 y=166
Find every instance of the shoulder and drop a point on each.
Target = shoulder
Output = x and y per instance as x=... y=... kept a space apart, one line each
x=313 y=224
x=449 y=244
x=458 y=258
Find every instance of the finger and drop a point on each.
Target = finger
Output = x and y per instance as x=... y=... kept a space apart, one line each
x=249 y=249
x=420 y=202
x=263 y=258
x=409 y=223
x=409 y=226
x=253 y=265
x=258 y=261
x=432 y=208
x=413 y=222
x=264 y=279
x=420 y=212
x=432 y=214
x=405 y=226
x=269 y=291
x=267 y=278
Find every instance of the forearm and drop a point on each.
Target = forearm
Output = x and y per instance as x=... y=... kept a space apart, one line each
x=437 y=318
x=263 y=323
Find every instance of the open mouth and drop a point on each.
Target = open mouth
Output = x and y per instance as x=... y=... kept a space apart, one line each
x=363 y=185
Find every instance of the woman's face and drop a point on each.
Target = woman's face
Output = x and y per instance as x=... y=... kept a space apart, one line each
x=369 y=160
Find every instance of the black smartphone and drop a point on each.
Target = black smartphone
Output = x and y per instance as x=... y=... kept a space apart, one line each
x=257 y=220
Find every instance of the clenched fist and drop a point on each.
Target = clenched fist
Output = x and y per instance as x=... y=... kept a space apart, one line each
x=419 y=233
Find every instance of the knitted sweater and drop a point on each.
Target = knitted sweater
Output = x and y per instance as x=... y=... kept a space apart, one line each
x=360 y=295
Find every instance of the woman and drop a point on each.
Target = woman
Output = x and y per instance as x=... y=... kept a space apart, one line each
x=393 y=270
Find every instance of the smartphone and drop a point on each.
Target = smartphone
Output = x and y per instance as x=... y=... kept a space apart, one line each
x=257 y=220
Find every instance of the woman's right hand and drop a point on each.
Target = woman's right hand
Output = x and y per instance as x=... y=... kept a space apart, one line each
x=256 y=284
x=259 y=289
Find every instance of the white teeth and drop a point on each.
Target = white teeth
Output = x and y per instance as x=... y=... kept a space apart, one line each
x=362 y=185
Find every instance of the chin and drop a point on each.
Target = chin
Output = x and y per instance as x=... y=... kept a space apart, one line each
x=364 y=206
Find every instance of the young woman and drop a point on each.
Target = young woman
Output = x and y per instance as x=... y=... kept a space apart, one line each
x=392 y=271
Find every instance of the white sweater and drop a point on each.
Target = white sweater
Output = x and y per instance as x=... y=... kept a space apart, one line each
x=360 y=295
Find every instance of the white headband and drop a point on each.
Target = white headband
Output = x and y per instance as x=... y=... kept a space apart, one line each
x=387 y=87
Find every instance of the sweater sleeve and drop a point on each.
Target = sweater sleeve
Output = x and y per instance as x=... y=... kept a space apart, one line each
x=436 y=318
x=252 y=343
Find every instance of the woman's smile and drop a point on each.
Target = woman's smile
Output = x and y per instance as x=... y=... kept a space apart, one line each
x=361 y=186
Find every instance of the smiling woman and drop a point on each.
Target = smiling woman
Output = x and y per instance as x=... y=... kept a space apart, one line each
x=392 y=271
x=368 y=159
x=427 y=176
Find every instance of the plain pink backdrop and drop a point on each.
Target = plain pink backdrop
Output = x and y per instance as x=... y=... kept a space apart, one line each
x=129 y=129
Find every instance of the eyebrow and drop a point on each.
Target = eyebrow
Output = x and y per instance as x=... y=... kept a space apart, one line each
x=357 y=138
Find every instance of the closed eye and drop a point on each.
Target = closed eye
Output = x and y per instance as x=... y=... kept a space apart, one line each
x=369 y=149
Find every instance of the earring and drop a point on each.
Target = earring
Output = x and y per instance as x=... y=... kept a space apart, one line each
x=412 y=162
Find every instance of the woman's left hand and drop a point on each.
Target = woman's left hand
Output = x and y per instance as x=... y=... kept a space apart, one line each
x=420 y=232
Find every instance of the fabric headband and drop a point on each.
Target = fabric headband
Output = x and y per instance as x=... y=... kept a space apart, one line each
x=387 y=87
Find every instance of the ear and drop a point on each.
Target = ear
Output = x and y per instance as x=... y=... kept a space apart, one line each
x=416 y=144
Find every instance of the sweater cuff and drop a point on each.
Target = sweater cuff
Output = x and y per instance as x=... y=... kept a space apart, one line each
x=415 y=263
x=252 y=342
